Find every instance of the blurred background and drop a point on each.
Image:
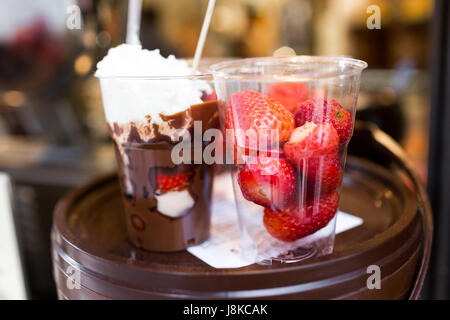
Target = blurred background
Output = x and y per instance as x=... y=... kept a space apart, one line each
x=53 y=136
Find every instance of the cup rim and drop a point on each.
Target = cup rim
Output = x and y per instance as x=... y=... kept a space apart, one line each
x=202 y=76
x=205 y=74
x=354 y=66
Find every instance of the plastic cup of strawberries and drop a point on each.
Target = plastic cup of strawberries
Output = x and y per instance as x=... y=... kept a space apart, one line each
x=287 y=123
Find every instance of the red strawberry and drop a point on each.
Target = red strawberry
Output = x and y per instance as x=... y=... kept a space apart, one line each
x=300 y=221
x=324 y=174
x=270 y=182
x=250 y=110
x=173 y=182
x=311 y=141
x=289 y=94
x=137 y=222
x=319 y=110
x=209 y=97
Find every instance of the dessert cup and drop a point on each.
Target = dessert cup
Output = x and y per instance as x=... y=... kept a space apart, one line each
x=288 y=121
x=166 y=193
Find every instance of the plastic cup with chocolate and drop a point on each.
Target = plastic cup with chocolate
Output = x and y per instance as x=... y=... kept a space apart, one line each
x=157 y=110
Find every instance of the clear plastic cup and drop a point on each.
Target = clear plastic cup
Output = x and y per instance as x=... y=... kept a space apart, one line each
x=166 y=190
x=288 y=121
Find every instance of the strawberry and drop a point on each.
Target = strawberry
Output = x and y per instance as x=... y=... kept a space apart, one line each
x=209 y=97
x=269 y=182
x=319 y=110
x=250 y=110
x=313 y=149
x=137 y=222
x=297 y=222
x=173 y=182
x=324 y=174
x=311 y=141
x=289 y=94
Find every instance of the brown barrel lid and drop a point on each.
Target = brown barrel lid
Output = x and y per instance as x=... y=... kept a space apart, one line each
x=89 y=234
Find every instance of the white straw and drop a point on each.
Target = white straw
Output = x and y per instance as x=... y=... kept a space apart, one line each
x=134 y=21
x=203 y=34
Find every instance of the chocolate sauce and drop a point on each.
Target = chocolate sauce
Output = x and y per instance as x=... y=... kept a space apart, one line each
x=177 y=120
x=207 y=113
x=116 y=129
x=134 y=135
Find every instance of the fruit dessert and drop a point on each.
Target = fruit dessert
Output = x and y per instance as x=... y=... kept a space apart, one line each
x=150 y=103
x=255 y=122
x=294 y=175
x=289 y=94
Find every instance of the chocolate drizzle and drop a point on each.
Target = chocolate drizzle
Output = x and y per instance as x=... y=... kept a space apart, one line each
x=134 y=135
x=149 y=132
x=117 y=130
x=207 y=113
x=159 y=137
x=177 y=120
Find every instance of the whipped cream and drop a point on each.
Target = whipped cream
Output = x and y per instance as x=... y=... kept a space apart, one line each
x=175 y=203
x=128 y=98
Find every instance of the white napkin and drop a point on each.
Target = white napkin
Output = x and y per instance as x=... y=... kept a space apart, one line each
x=223 y=249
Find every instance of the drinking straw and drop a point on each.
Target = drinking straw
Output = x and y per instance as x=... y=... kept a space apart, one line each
x=134 y=21
x=203 y=34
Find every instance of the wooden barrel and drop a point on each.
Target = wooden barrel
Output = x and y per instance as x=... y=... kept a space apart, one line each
x=93 y=259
